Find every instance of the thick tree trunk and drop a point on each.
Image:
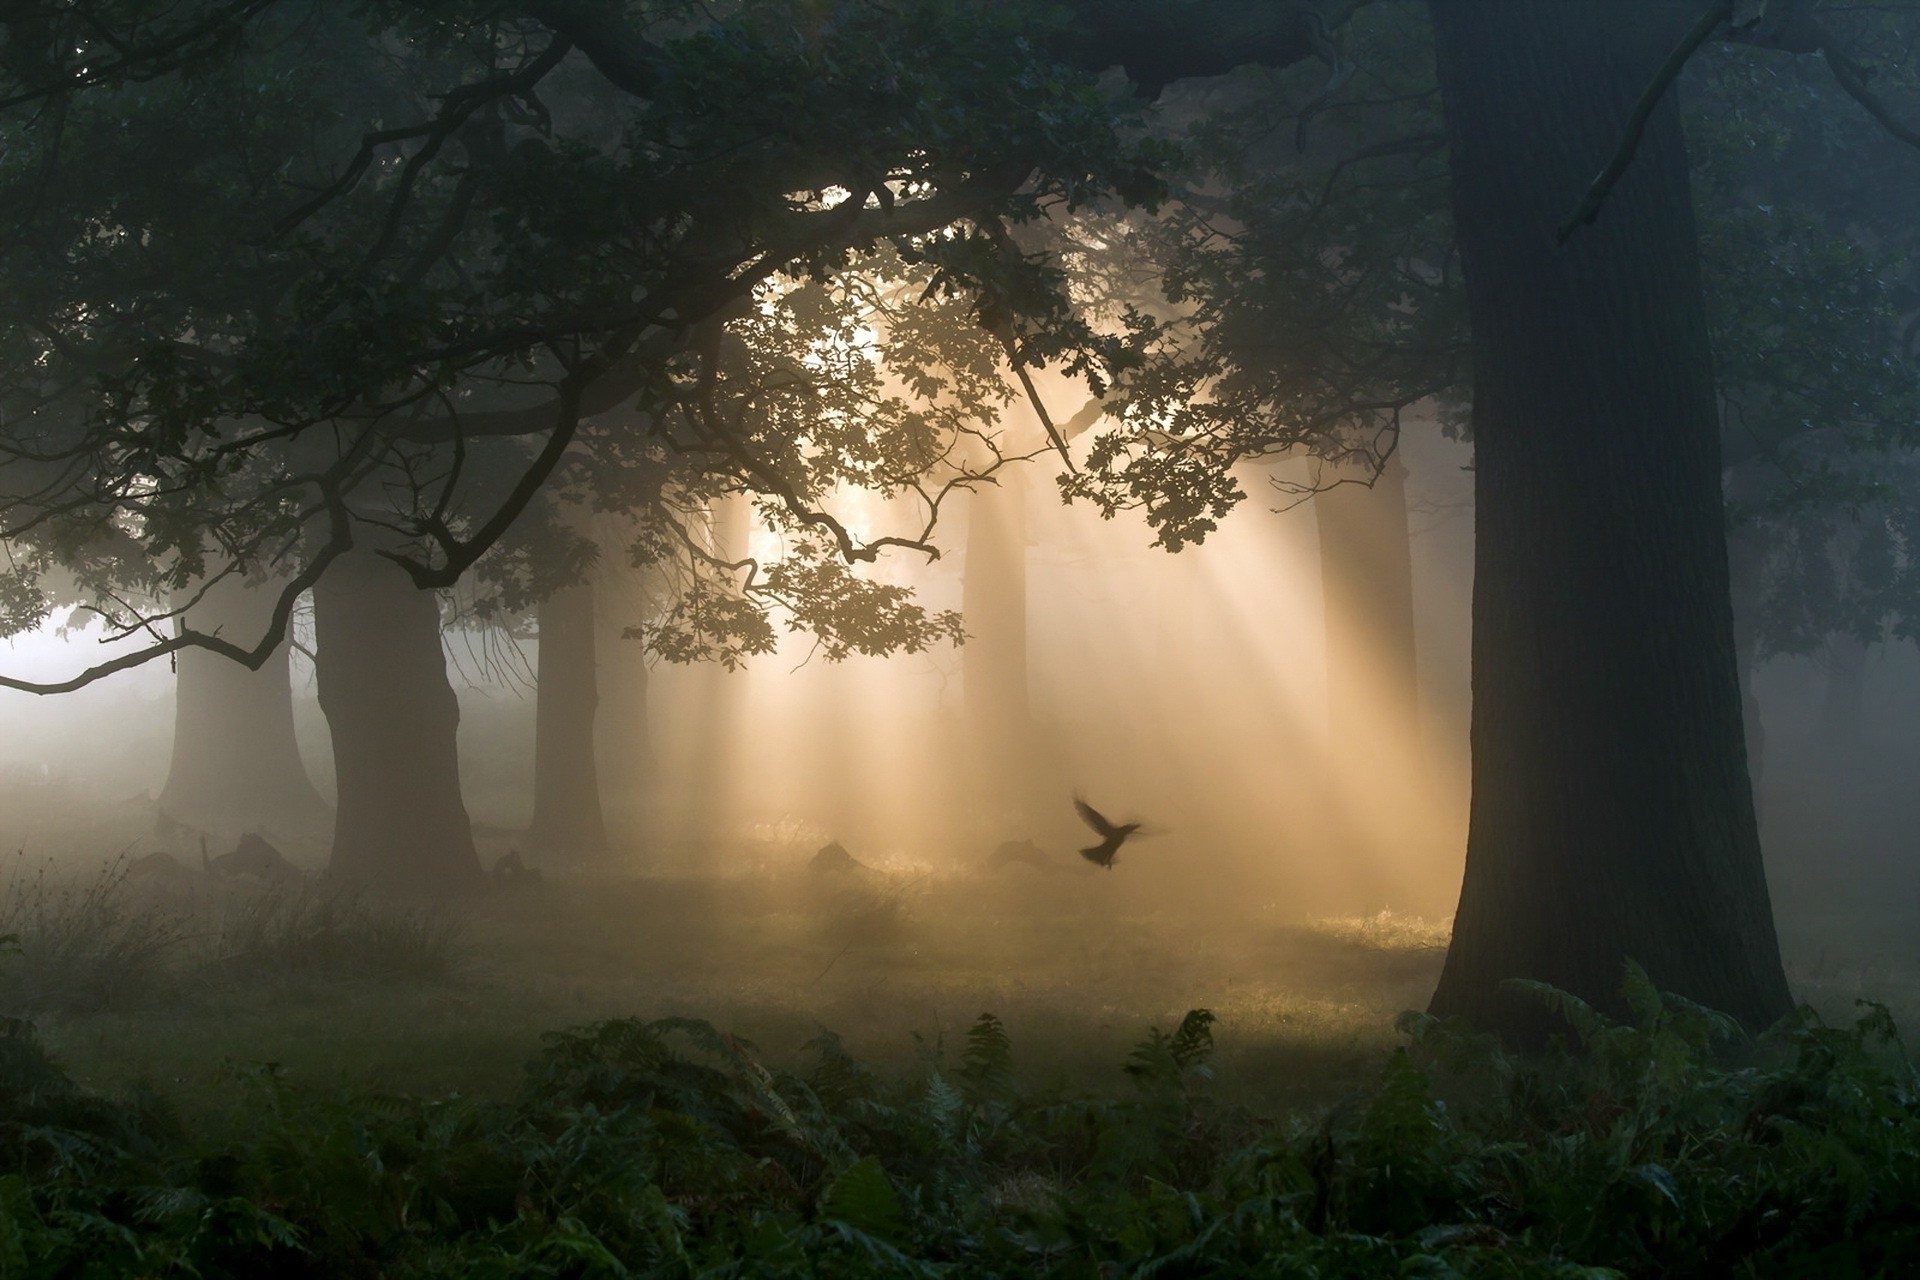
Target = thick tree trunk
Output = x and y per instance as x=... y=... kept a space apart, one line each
x=567 y=818
x=236 y=764
x=1612 y=817
x=993 y=661
x=401 y=823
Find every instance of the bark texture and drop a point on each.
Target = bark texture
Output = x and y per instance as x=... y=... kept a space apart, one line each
x=236 y=764
x=567 y=818
x=401 y=823
x=1612 y=816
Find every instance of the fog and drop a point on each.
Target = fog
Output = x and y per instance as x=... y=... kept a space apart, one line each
x=1187 y=690
x=1296 y=870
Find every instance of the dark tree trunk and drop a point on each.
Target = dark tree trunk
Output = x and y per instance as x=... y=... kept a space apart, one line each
x=1612 y=817
x=567 y=818
x=236 y=765
x=993 y=661
x=1366 y=577
x=400 y=821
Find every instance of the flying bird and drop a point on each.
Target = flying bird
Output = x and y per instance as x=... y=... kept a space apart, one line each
x=1112 y=835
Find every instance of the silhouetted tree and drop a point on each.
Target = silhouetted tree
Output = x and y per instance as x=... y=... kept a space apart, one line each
x=236 y=763
x=400 y=820
x=1612 y=817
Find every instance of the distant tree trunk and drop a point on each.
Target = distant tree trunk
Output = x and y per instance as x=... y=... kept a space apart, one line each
x=236 y=764
x=712 y=808
x=1366 y=575
x=621 y=741
x=401 y=822
x=993 y=661
x=1375 y=755
x=567 y=818
x=1611 y=816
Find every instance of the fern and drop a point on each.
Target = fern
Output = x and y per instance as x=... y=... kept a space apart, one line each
x=670 y=1148
x=986 y=1065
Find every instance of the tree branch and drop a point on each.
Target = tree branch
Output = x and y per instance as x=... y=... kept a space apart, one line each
x=339 y=541
x=1719 y=12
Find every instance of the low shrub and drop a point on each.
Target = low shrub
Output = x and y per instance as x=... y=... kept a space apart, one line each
x=1665 y=1145
x=84 y=945
x=314 y=931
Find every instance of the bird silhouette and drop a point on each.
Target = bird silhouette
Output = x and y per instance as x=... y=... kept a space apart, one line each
x=1112 y=835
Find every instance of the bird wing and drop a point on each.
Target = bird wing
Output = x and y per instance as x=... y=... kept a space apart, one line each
x=1093 y=818
x=1100 y=854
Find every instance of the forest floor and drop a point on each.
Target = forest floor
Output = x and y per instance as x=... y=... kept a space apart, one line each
x=1078 y=966
x=179 y=983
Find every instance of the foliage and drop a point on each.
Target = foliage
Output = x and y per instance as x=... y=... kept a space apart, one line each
x=377 y=274
x=1659 y=1146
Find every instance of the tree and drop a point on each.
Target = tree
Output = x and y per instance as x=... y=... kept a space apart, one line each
x=669 y=246
x=1373 y=696
x=400 y=822
x=1612 y=817
x=236 y=763
x=654 y=250
x=623 y=752
x=1002 y=765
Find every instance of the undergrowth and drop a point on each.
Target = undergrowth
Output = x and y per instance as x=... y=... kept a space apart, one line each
x=84 y=945
x=1663 y=1145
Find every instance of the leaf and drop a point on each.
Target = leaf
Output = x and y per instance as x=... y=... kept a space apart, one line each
x=1661 y=1180
x=862 y=1198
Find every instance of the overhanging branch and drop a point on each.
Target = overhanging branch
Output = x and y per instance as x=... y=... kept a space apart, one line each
x=339 y=541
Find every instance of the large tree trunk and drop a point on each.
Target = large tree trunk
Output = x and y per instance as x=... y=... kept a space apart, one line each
x=1612 y=817
x=401 y=823
x=567 y=818
x=236 y=764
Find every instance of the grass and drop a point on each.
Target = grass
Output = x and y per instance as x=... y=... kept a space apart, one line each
x=312 y=1084
x=83 y=945
x=109 y=943
x=1665 y=1145
x=789 y=1073
x=360 y=994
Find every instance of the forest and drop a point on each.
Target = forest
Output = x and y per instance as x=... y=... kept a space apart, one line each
x=1074 y=638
